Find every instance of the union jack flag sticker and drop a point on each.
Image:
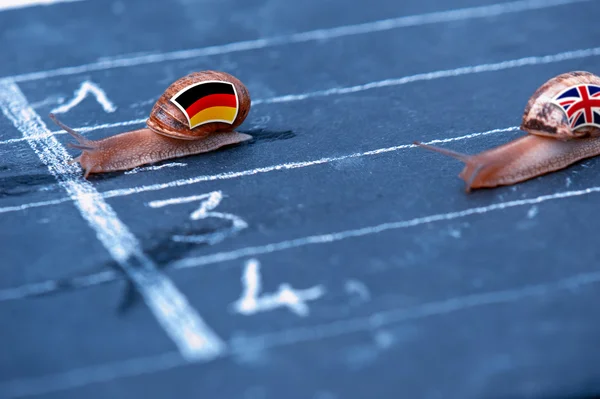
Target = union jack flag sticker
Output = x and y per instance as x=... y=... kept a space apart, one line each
x=581 y=104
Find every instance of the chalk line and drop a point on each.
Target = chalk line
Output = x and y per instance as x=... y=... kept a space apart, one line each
x=468 y=70
x=447 y=73
x=83 y=129
x=303 y=37
x=287 y=166
x=50 y=286
x=109 y=372
x=181 y=322
x=22 y=207
x=219 y=257
x=12 y=4
x=369 y=230
x=179 y=200
x=90 y=375
x=153 y=168
x=436 y=308
x=52 y=100
x=255 y=171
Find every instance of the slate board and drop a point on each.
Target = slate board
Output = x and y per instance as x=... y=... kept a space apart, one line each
x=494 y=303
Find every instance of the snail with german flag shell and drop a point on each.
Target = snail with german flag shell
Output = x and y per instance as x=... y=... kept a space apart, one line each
x=197 y=113
x=563 y=121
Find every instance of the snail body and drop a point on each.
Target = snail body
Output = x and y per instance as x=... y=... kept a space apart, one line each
x=168 y=133
x=550 y=144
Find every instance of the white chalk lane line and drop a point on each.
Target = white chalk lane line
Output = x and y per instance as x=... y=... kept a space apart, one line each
x=426 y=76
x=52 y=286
x=447 y=73
x=104 y=373
x=92 y=374
x=219 y=257
x=395 y=316
x=82 y=129
x=251 y=172
x=303 y=37
x=369 y=230
x=22 y=207
x=286 y=166
x=181 y=322
x=13 y=4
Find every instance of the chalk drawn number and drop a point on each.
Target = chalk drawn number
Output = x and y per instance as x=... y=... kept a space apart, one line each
x=87 y=87
x=251 y=300
x=208 y=203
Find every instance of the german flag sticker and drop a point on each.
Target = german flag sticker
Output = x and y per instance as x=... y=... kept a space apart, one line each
x=209 y=101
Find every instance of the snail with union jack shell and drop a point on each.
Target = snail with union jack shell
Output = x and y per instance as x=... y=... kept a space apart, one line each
x=560 y=134
x=197 y=113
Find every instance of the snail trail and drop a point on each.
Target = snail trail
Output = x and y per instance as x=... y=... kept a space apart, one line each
x=22 y=184
x=259 y=135
x=129 y=296
x=165 y=250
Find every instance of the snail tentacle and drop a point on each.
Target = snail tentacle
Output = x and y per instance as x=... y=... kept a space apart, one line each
x=454 y=154
x=82 y=143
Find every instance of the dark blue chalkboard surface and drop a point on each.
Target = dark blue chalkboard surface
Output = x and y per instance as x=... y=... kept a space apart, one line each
x=327 y=258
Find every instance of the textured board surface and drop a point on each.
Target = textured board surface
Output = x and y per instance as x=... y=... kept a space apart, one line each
x=325 y=259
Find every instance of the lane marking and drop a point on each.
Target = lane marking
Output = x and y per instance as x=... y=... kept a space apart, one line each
x=153 y=168
x=179 y=200
x=255 y=171
x=286 y=166
x=89 y=375
x=186 y=328
x=83 y=129
x=448 y=73
x=103 y=373
x=12 y=4
x=303 y=37
x=430 y=309
x=219 y=257
x=51 y=286
x=441 y=74
x=369 y=230
x=22 y=207
x=52 y=100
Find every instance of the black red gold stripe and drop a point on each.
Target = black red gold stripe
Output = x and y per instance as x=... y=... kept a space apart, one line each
x=208 y=102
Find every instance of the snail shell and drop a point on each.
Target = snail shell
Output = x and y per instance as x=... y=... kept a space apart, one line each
x=167 y=135
x=544 y=118
x=168 y=120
